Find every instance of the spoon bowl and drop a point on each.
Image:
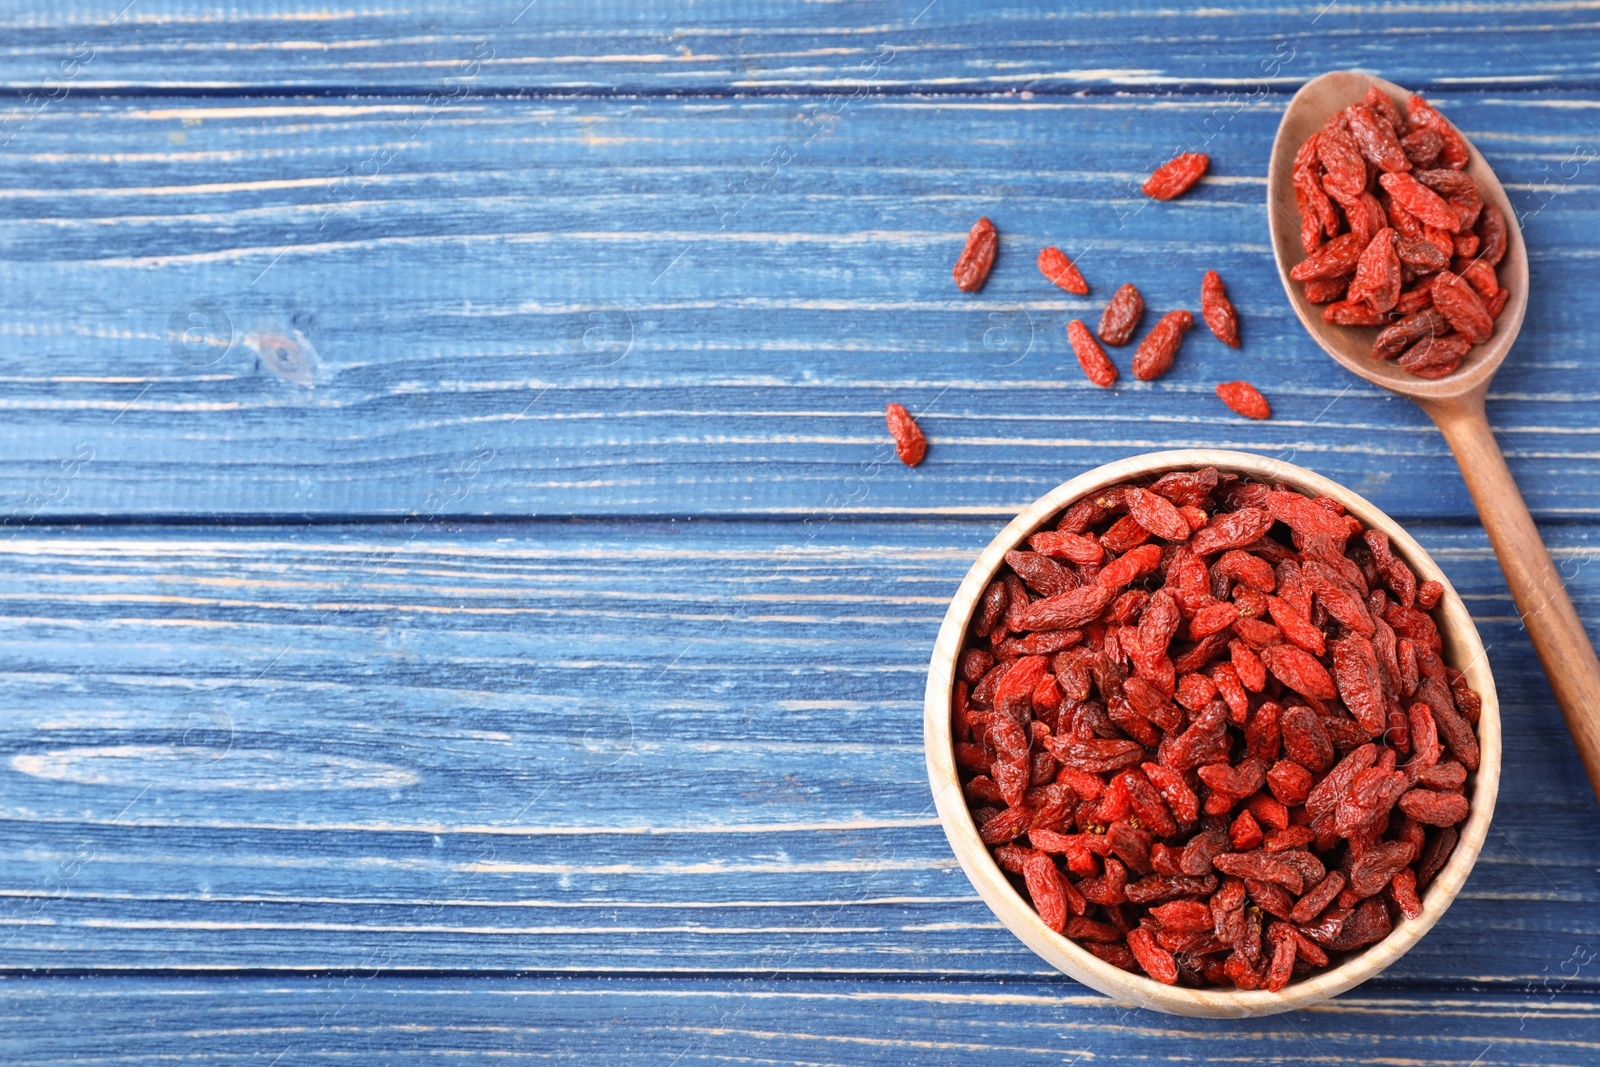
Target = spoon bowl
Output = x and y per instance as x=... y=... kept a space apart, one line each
x=1455 y=402
x=1316 y=102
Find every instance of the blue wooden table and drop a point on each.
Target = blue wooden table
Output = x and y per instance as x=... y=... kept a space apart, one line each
x=457 y=598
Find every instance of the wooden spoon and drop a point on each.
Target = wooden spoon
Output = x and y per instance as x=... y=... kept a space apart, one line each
x=1455 y=403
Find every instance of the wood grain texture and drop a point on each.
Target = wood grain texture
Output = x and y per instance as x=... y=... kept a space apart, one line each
x=700 y=46
x=501 y=261
x=634 y=308
x=339 y=1019
x=578 y=748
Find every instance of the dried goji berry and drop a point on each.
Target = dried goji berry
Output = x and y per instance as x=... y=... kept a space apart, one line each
x=1428 y=206
x=1338 y=257
x=1160 y=345
x=1135 y=563
x=1244 y=399
x=1453 y=152
x=1327 y=290
x=1428 y=594
x=1376 y=139
x=1355 y=313
x=1377 y=280
x=1435 y=356
x=1174 y=177
x=1423 y=257
x=1414 y=327
x=1234 y=529
x=1372 y=871
x=1046 y=890
x=1097 y=366
x=1340 y=155
x=1054 y=265
x=972 y=268
x=1217 y=309
x=1067 y=610
x=1403 y=888
x=1460 y=304
x=1355 y=672
x=1121 y=316
x=1459 y=191
x=1481 y=277
x=1492 y=235
x=1434 y=809
x=1156 y=514
x=910 y=444
x=1300 y=671
x=1422 y=146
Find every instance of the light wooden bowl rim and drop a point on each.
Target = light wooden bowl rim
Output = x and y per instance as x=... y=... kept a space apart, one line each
x=1462 y=646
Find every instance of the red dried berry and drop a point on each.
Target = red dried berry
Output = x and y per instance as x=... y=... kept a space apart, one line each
x=910 y=445
x=1326 y=290
x=1422 y=147
x=1428 y=206
x=1346 y=172
x=1217 y=310
x=1097 y=366
x=1176 y=176
x=1461 y=306
x=1355 y=313
x=1244 y=399
x=1156 y=352
x=1435 y=356
x=1376 y=139
x=1491 y=235
x=1055 y=266
x=1377 y=280
x=1403 y=334
x=1121 y=316
x=1156 y=514
x=1434 y=809
x=1045 y=887
x=1338 y=257
x=1453 y=151
x=972 y=268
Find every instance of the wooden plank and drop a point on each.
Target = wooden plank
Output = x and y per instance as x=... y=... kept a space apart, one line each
x=423 y=1020
x=579 y=307
x=576 y=747
x=677 y=45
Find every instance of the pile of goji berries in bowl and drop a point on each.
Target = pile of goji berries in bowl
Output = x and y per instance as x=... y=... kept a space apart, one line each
x=1212 y=733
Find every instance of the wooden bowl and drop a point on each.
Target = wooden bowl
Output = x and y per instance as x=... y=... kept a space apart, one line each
x=1462 y=649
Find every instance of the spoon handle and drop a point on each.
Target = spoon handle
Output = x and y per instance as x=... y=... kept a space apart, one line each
x=1541 y=597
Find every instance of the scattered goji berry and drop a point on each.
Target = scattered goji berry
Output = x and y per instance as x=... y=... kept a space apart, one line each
x=910 y=444
x=1244 y=399
x=1097 y=366
x=1159 y=347
x=1174 y=177
x=1217 y=309
x=1121 y=316
x=1054 y=265
x=972 y=268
